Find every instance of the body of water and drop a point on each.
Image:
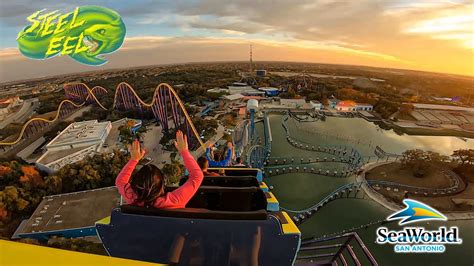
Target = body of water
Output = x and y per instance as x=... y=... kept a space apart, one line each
x=298 y=191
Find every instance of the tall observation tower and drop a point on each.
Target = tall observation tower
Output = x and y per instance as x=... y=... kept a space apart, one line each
x=251 y=62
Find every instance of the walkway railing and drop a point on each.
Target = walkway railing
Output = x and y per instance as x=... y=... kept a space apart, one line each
x=347 y=249
x=347 y=190
x=453 y=189
x=352 y=190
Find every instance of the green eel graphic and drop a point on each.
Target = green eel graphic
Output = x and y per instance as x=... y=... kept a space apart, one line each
x=101 y=31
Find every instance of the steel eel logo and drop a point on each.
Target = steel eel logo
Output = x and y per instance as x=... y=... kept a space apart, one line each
x=85 y=34
x=418 y=239
x=416 y=211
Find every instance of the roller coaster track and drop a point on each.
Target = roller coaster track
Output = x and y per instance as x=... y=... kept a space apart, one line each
x=307 y=117
x=340 y=154
x=81 y=92
x=347 y=190
x=165 y=101
x=35 y=124
x=347 y=230
x=454 y=188
x=352 y=190
x=240 y=136
x=164 y=96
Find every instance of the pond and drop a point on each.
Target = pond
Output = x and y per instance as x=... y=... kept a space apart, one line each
x=298 y=191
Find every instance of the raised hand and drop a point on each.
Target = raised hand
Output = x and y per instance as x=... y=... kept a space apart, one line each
x=181 y=142
x=136 y=152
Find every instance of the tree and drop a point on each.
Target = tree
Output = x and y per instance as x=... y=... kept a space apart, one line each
x=54 y=184
x=126 y=135
x=166 y=141
x=386 y=107
x=420 y=162
x=97 y=171
x=406 y=109
x=173 y=171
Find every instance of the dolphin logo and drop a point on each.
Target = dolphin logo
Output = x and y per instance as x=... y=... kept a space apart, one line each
x=416 y=211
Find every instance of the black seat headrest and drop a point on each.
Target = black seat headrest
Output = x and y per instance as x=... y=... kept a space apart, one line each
x=195 y=213
x=232 y=171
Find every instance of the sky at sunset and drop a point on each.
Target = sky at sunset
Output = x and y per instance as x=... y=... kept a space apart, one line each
x=422 y=35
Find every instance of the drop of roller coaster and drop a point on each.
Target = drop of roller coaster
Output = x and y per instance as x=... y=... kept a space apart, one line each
x=231 y=220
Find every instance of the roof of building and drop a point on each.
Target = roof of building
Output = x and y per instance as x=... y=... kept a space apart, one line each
x=442 y=107
x=85 y=131
x=233 y=97
x=72 y=210
x=56 y=159
x=347 y=103
x=292 y=101
x=268 y=89
x=217 y=90
x=244 y=90
x=9 y=100
x=364 y=104
x=255 y=97
x=240 y=88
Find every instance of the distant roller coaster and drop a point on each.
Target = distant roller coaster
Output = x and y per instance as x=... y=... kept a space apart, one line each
x=165 y=105
x=65 y=108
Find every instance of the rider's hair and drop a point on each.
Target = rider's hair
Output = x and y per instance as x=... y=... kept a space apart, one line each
x=203 y=163
x=148 y=183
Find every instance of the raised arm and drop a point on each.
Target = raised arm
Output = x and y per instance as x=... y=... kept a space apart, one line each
x=123 y=178
x=208 y=154
x=136 y=153
x=184 y=193
x=228 y=157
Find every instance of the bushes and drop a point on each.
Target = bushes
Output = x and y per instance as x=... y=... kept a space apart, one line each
x=22 y=186
x=98 y=171
x=173 y=171
x=421 y=162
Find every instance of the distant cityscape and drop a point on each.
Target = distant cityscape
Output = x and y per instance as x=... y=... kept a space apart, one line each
x=64 y=139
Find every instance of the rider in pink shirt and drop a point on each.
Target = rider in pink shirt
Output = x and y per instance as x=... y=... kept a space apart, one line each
x=146 y=186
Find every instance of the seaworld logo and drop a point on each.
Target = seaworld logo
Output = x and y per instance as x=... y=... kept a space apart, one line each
x=418 y=239
x=85 y=34
x=416 y=211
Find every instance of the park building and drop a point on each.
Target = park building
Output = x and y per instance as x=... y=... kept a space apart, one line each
x=293 y=103
x=270 y=91
x=70 y=215
x=76 y=142
x=245 y=90
x=364 y=107
x=333 y=102
x=238 y=88
x=301 y=104
x=316 y=105
x=439 y=107
x=260 y=72
x=7 y=104
x=350 y=106
x=233 y=97
x=451 y=115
